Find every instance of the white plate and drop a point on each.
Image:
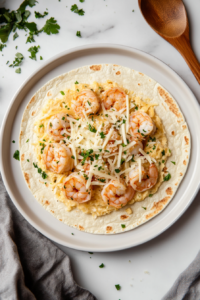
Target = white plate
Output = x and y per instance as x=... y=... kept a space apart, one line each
x=12 y=175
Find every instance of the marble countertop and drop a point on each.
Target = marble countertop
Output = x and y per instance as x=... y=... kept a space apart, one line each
x=145 y=272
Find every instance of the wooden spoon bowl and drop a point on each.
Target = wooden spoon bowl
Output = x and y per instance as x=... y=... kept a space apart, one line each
x=169 y=19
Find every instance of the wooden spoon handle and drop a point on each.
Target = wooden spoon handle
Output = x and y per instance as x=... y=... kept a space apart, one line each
x=182 y=44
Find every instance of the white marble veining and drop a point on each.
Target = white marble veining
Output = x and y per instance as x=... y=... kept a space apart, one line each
x=145 y=272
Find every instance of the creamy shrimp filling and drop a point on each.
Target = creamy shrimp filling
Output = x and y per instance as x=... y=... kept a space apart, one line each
x=109 y=134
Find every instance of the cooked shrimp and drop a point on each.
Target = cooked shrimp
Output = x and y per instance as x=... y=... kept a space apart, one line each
x=148 y=179
x=135 y=149
x=141 y=125
x=111 y=146
x=75 y=188
x=114 y=98
x=57 y=126
x=86 y=101
x=117 y=194
x=57 y=158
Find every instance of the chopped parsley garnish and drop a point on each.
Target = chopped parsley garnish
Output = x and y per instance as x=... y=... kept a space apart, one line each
x=118 y=287
x=96 y=156
x=123 y=145
x=2 y=45
x=89 y=103
x=152 y=139
x=50 y=124
x=163 y=161
x=28 y=160
x=62 y=93
x=117 y=170
x=132 y=159
x=51 y=26
x=106 y=115
x=75 y=9
x=150 y=195
x=90 y=252
x=102 y=180
x=92 y=128
x=122 y=161
x=41 y=58
x=99 y=168
x=123 y=225
x=82 y=1
x=78 y=33
x=173 y=162
x=167 y=177
x=72 y=233
x=76 y=82
x=13 y=141
x=144 y=207
x=107 y=151
x=18 y=60
x=73 y=157
x=27 y=141
x=163 y=152
x=18 y=71
x=63 y=118
x=77 y=90
x=136 y=107
x=39 y=15
x=85 y=176
x=16 y=155
x=102 y=265
x=102 y=135
x=15 y=36
x=85 y=155
x=33 y=50
x=39 y=170
x=100 y=150
x=42 y=125
x=154 y=147
x=44 y=175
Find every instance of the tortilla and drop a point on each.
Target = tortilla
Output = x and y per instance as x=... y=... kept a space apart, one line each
x=176 y=130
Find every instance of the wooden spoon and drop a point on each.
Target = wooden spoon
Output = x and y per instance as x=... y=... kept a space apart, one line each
x=169 y=19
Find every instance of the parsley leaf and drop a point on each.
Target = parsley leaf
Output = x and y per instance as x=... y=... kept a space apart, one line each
x=62 y=93
x=92 y=128
x=51 y=26
x=30 y=38
x=167 y=177
x=15 y=36
x=102 y=265
x=123 y=225
x=78 y=33
x=117 y=170
x=150 y=195
x=18 y=70
x=33 y=50
x=13 y=141
x=39 y=15
x=144 y=207
x=102 y=135
x=41 y=58
x=163 y=152
x=2 y=46
x=173 y=162
x=16 y=155
x=75 y=9
x=118 y=287
x=18 y=60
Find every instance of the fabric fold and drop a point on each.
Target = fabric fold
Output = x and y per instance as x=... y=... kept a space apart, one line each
x=31 y=266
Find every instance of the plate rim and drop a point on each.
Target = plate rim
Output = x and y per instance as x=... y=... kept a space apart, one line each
x=22 y=86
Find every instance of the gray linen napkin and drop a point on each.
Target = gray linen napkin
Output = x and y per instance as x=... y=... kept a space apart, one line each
x=187 y=285
x=31 y=266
